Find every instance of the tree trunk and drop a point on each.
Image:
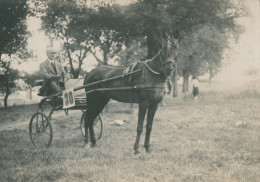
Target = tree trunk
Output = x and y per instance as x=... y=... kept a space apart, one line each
x=30 y=88
x=105 y=57
x=76 y=73
x=174 y=81
x=106 y=51
x=210 y=75
x=185 y=86
x=72 y=69
x=5 y=100
x=7 y=90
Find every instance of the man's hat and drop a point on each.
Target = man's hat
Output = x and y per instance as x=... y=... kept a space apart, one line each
x=51 y=49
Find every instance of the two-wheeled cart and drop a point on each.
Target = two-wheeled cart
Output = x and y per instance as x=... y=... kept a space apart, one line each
x=40 y=127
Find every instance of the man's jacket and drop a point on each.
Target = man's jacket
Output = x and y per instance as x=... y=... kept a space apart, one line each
x=48 y=70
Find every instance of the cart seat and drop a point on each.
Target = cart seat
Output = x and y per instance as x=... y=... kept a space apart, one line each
x=73 y=83
x=80 y=96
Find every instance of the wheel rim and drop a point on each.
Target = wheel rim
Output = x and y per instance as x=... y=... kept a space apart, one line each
x=98 y=126
x=40 y=130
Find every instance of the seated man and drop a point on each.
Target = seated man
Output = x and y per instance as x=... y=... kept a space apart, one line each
x=53 y=74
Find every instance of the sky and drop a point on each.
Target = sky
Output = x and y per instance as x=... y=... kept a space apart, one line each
x=245 y=54
x=39 y=41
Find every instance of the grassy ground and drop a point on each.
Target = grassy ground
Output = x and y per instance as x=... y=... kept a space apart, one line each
x=215 y=138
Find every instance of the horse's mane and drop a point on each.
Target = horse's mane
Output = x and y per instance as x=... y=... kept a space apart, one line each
x=107 y=66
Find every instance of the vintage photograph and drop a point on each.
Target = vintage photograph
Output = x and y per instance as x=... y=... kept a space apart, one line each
x=130 y=90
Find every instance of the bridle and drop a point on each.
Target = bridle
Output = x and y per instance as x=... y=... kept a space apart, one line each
x=162 y=69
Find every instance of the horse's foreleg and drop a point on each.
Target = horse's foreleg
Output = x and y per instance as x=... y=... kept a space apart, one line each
x=141 y=115
x=86 y=130
x=150 y=115
x=88 y=127
x=92 y=134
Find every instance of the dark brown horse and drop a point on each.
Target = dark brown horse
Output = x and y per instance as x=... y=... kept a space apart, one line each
x=145 y=87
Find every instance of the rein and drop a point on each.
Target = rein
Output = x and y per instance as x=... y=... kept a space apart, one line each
x=155 y=72
x=163 y=63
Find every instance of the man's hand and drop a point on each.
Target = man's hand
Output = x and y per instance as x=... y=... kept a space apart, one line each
x=55 y=77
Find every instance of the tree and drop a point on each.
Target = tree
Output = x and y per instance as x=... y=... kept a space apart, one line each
x=181 y=19
x=152 y=20
x=60 y=22
x=201 y=52
x=202 y=49
x=33 y=79
x=7 y=79
x=214 y=44
x=132 y=51
x=105 y=21
x=13 y=36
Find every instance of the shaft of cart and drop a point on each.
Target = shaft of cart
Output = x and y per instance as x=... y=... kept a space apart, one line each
x=91 y=84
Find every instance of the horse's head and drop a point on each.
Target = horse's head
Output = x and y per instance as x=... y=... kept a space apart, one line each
x=168 y=55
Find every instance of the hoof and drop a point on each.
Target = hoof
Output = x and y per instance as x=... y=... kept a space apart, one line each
x=85 y=146
x=137 y=151
x=148 y=150
x=93 y=145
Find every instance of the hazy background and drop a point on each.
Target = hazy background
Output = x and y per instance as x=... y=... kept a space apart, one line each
x=245 y=54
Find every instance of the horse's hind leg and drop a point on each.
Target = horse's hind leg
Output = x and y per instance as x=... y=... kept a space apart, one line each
x=141 y=115
x=150 y=116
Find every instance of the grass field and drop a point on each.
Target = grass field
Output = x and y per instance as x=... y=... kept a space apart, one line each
x=215 y=138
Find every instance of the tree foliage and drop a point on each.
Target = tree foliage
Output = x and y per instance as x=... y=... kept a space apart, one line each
x=202 y=50
x=105 y=21
x=201 y=27
x=13 y=41
x=134 y=50
x=84 y=30
x=33 y=79
x=13 y=34
x=59 y=23
x=13 y=75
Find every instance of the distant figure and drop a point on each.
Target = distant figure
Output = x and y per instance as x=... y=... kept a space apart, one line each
x=68 y=74
x=53 y=74
x=169 y=84
x=195 y=84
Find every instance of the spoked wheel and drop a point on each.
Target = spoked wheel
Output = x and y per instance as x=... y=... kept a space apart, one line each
x=98 y=126
x=40 y=130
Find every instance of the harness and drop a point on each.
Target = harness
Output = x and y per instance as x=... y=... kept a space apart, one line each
x=133 y=66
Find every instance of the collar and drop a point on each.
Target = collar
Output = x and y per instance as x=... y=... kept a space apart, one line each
x=51 y=61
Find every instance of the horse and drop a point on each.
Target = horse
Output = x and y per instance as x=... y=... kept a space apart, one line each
x=146 y=87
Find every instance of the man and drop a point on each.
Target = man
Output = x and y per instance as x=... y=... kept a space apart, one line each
x=169 y=84
x=68 y=74
x=195 y=84
x=53 y=74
